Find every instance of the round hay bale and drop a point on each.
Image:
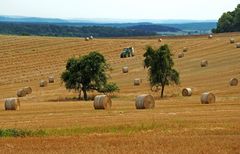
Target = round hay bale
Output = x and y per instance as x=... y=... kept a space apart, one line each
x=145 y=101
x=21 y=93
x=204 y=63
x=12 y=104
x=160 y=40
x=208 y=98
x=125 y=69
x=102 y=102
x=181 y=55
x=43 y=83
x=187 y=92
x=238 y=45
x=86 y=38
x=185 y=49
x=91 y=37
x=51 y=79
x=232 y=40
x=137 y=82
x=233 y=82
x=210 y=36
x=28 y=90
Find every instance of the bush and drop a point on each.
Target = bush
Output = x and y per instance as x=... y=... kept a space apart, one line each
x=110 y=88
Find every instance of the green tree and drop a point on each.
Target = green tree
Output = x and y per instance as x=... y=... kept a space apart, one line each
x=225 y=23
x=229 y=22
x=160 y=66
x=236 y=19
x=86 y=73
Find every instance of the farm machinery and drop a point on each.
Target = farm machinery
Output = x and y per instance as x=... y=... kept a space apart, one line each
x=127 y=52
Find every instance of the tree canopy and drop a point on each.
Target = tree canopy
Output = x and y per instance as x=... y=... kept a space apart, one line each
x=86 y=73
x=229 y=22
x=160 y=65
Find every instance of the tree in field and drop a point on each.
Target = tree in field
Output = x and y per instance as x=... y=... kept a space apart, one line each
x=229 y=22
x=160 y=66
x=86 y=73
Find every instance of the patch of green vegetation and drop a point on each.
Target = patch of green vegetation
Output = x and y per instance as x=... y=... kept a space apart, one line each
x=20 y=133
x=126 y=129
x=179 y=126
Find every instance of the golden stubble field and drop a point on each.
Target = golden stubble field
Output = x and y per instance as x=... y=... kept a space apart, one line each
x=176 y=125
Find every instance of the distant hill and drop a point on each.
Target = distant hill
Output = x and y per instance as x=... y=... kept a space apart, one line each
x=46 y=29
x=99 y=21
x=202 y=26
x=30 y=19
x=83 y=27
x=154 y=28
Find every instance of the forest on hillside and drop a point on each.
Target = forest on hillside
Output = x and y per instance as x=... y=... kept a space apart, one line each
x=45 y=29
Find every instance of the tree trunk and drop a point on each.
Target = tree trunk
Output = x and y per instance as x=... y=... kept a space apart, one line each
x=162 y=90
x=163 y=86
x=85 y=94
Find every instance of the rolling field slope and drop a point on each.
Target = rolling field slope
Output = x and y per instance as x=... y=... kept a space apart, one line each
x=176 y=125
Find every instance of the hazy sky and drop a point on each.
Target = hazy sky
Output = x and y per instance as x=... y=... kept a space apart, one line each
x=121 y=9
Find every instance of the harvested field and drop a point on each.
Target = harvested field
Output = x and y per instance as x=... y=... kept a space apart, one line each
x=176 y=125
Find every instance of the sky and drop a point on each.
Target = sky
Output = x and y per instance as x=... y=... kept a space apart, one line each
x=121 y=9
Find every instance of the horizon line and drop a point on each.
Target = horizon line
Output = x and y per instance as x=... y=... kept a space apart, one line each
x=105 y=18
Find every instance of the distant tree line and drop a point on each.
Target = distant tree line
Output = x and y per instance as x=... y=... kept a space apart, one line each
x=45 y=29
x=229 y=22
x=154 y=28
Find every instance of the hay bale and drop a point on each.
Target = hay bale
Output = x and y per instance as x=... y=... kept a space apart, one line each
x=125 y=69
x=43 y=83
x=233 y=82
x=145 y=101
x=102 y=102
x=21 y=93
x=204 y=63
x=185 y=49
x=86 y=38
x=180 y=55
x=187 y=92
x=232 y=40
x=137 y=82
x=28 y=90
x=210 y=36
x=208 y=98
x=91 y=37
x=50 y=79
x=238 y=45
x=160 y=40
x=12 y=104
